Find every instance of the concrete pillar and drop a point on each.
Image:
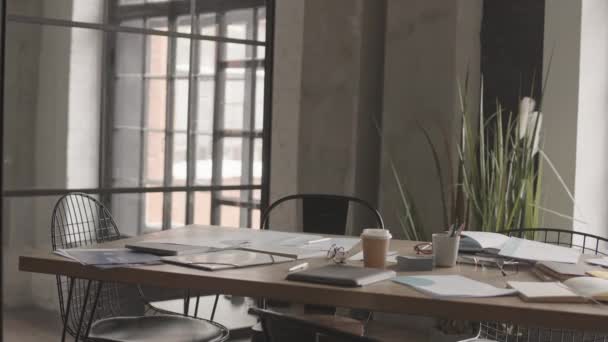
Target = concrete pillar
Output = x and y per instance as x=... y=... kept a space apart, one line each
x=327 y=87
x=430 y=45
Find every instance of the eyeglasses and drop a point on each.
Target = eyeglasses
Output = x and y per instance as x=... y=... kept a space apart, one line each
x=337 y=254
x=424 y=248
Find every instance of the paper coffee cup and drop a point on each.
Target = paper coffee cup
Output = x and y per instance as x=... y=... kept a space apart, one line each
x=375 y=244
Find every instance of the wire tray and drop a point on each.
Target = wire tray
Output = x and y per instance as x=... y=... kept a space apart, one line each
x=506 y=332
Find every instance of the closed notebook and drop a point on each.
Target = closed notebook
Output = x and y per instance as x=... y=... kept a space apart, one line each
x=551 y=292
x=342 y=275
x=225 y=259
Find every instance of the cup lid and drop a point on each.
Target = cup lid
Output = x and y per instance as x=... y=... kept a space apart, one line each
x=376 y=233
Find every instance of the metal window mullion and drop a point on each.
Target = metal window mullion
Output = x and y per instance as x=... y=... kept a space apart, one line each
x=268 y=84
x=218 y=120
x=249 y=124
x=192 y=113
x=143 y=151
x=106 y=122
x=169 y=124
x=124 y=29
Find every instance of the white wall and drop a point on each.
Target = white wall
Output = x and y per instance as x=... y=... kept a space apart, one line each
x=592 y=125
x=575 y=107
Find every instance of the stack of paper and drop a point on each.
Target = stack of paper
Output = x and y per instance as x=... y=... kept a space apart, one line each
x=109 y=258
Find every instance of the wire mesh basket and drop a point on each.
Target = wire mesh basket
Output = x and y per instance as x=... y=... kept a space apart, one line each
x=506 y=332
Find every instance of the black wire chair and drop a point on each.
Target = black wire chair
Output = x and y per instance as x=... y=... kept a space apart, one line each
x=280 y=327
x=80 y=220
x=324 y=213
x=508 y=332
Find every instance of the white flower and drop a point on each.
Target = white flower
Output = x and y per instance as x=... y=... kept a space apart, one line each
x=526 y=107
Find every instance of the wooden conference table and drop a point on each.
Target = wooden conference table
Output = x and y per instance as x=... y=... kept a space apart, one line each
x=269 y=282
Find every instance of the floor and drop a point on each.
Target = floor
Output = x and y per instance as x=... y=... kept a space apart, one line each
x=32 y=324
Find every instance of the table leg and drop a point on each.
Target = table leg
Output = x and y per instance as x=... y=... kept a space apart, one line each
x=67 y=310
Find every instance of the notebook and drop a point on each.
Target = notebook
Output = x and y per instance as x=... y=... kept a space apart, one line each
x=166 y=249
x=522 y=249
x=488 y=242
x=549 y=292
x=225 y=259
x=342 y=275
x=452 y=286
x=561 y=271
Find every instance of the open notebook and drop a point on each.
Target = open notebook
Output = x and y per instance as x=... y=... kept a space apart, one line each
x=578 y=289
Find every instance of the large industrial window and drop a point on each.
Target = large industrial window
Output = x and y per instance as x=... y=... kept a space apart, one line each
x=164 y=114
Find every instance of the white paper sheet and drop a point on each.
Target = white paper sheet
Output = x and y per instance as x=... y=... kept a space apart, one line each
x=452 y=286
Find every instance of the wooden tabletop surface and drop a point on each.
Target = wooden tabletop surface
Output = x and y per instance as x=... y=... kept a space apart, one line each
x=387 y=296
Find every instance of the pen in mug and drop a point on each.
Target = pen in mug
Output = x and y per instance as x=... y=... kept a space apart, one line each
x=298 y=267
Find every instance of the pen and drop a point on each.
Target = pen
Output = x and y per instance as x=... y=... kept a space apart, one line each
x=317 y=241
x=298 y=267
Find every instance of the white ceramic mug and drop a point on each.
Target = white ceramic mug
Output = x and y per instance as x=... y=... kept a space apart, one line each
x=445 y=249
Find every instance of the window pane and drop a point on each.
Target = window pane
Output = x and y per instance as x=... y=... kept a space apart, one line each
x=156 y=106
x=157 y=55
x=122 y=11
x=202 y=208
x=234 y=98
x=182 y=48
x=130 y=53
x=126 y=157
x=204 y=150
x=128 y=102
x=231 y=161
x=257 y=161
x=206 y=90
x=153 y=210
x=155 y=158
x=259 y=100
x=180 y=105
x=179 y=159
x=229 y=216
x=178 y=209
x=126 y=211
x=255 y=218
x=239 y=23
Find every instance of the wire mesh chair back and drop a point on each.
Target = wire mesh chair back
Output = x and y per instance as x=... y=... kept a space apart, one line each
x=324 y=213
x=80 y=220
x=587 y=243
x=507 y=332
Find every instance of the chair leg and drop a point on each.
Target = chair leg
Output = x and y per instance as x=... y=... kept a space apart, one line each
x=186 y=302
x=98 y=292
x=217 y=297
x=67 y=310
x=83 y=311
x=198 y=299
